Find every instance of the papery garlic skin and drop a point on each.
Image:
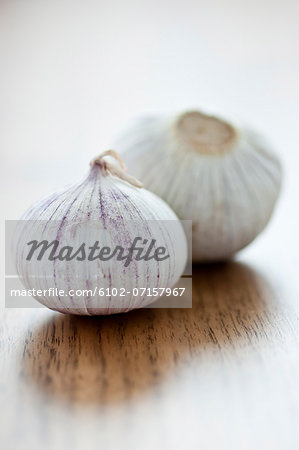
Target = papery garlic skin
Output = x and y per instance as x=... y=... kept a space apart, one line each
x=226 y=180
x=105 y=200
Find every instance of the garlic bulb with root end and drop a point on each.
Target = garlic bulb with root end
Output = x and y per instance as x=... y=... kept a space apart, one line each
x=225 y=179
x=109 y=207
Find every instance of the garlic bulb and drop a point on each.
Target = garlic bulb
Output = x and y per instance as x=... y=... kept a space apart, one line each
x=225 y=179
x=109 y=207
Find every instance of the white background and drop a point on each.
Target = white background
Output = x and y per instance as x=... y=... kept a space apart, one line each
x=72 y=72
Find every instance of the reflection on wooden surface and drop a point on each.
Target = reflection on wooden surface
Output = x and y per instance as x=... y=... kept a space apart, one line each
x=112 y=359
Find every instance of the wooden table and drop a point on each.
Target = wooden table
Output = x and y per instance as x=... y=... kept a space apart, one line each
x=222 y=375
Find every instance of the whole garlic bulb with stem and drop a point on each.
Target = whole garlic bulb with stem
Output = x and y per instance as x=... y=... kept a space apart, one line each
x=110 y=206
x=225 y=179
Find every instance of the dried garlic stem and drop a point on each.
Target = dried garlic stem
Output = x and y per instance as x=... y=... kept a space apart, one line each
x=107 y=167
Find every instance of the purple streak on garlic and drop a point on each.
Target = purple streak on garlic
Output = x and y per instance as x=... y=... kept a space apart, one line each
x=109 y=206
x=225 y=179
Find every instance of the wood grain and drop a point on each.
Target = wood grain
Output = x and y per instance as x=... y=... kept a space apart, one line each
x=215 y=368
x=109 y=359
